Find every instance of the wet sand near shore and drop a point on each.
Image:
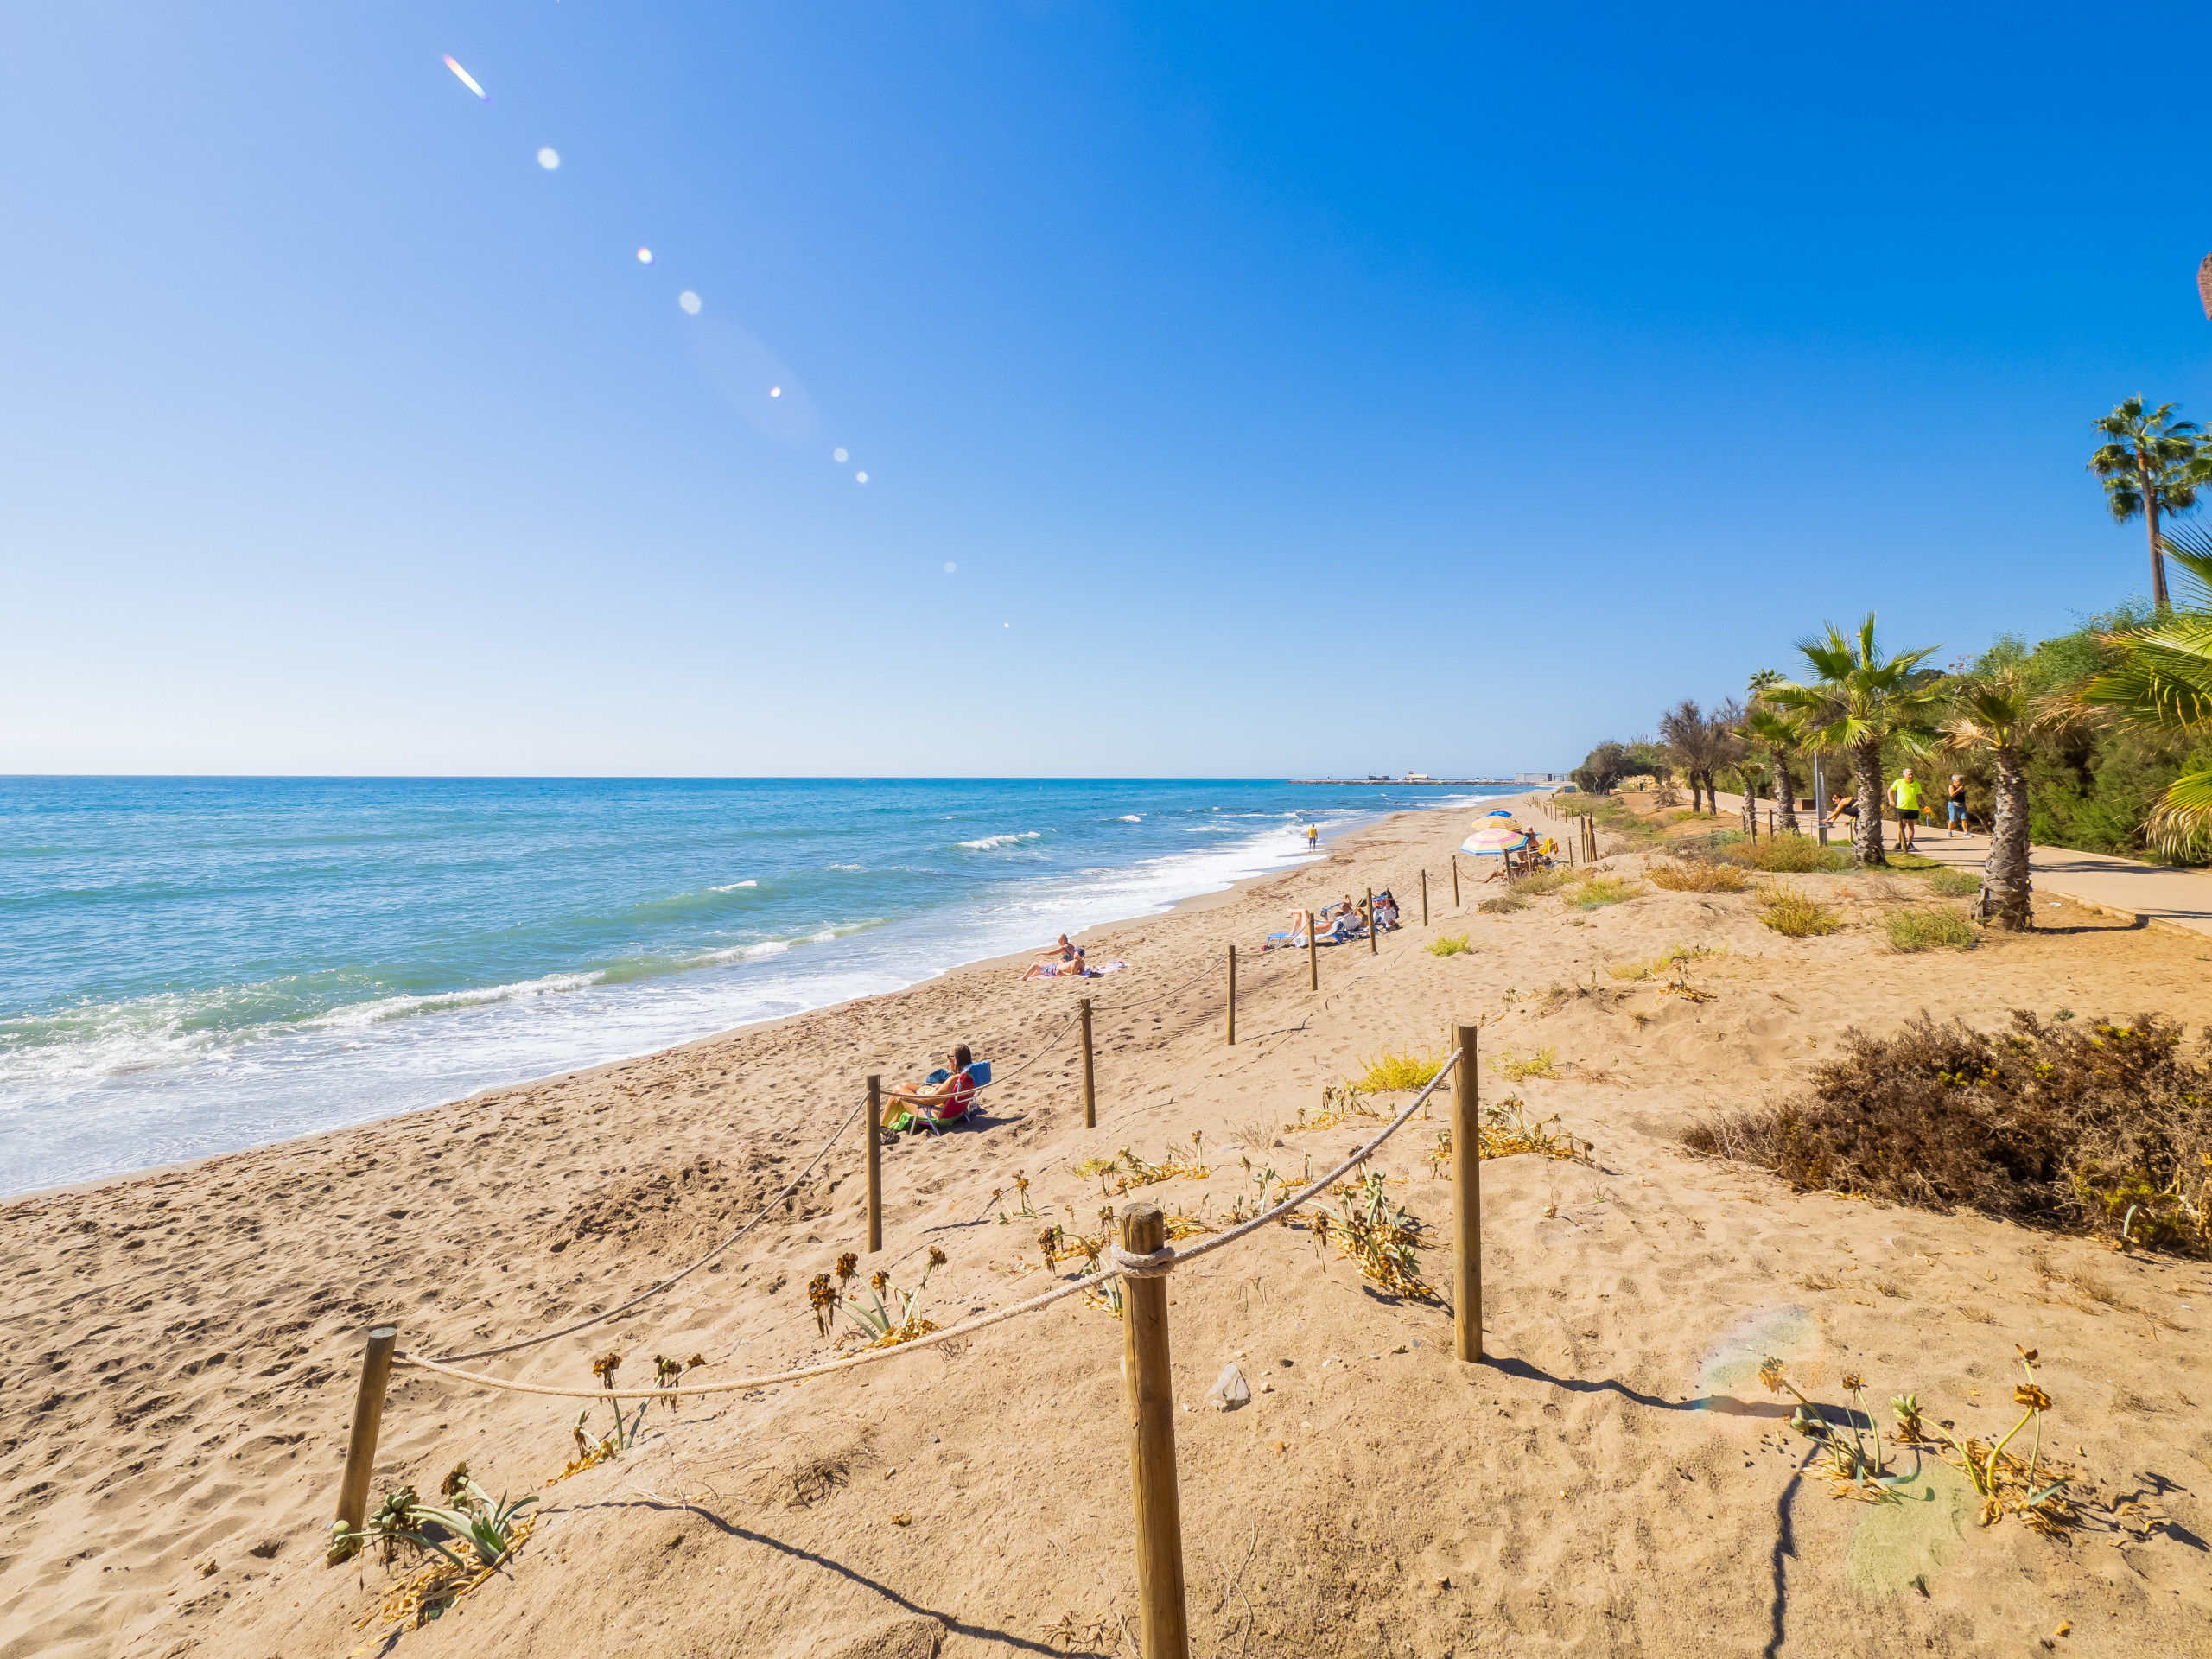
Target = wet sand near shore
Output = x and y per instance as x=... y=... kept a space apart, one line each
x=178 y=1368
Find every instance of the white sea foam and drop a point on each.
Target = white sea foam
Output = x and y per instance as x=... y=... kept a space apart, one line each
x=988 y=843
x=733 y=887
x=1130 y=818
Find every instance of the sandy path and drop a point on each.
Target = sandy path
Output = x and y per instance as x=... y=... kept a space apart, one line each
x=178 y=1357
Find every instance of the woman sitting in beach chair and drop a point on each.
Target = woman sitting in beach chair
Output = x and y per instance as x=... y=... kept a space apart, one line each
x=1293 y=938
x=1386 y=911
x=939 y=1101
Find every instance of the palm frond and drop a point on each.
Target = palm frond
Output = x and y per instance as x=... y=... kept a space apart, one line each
x=2181 y=826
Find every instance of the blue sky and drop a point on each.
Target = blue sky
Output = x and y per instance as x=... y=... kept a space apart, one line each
x=1291 y=389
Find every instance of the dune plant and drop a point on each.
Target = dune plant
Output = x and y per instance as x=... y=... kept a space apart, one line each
x=488 y=1530
x=1665 y=963
x=1450 y=944
x=2032 y=1492
x=1504 y=904
x=1379 y=1237
x=1855 y=1465
x=1782 y=854
x=1795 y=913
x=1598 y=891
x=1928 y=929
x=1543 y=1063
x=1505 y=1132
x=1697 y=875
x=1954 y=884
x=889 y=1317
x=1388 y=1073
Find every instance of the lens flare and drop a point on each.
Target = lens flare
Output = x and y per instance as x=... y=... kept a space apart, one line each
x=549 y=158
x=645 y=255
x=775 y=392
x=839 y=455
x=690 y=301
x=950 y=567
x=860 y=478
x=467 y=79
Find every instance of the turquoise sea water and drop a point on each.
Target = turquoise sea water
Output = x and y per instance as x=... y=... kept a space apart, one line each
x=190 y=966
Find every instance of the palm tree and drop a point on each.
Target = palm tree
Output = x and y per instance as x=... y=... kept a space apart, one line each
x=1857 y=701
x=2162 y=678
x=1766 y=728
x=2147 y=469
x=1992 y=713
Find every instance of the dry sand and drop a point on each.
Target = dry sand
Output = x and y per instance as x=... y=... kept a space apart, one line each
x=181 y=1349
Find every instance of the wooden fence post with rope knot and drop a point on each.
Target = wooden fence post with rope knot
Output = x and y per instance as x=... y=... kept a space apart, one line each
x=1148 y=1387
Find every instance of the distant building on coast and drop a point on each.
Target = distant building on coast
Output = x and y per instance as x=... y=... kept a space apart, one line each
x=1416 y=777
x=1539 y=776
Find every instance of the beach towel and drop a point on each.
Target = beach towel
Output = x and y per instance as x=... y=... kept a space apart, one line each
x=1070 y=971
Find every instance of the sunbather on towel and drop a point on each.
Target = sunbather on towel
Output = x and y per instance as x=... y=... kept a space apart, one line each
x=1074 y=968
x=1061 y=952
x=922 y=1105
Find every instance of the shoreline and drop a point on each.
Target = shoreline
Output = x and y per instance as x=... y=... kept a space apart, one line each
x=1190 y=903
x=188 y=1342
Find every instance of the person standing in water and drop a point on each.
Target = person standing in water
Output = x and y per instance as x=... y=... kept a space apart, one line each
x=1312 y=834
x=1904 y=795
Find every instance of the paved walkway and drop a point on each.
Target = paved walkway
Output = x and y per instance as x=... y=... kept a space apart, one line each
x=2146 y=892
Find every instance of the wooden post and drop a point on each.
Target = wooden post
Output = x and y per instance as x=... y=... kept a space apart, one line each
x=1089 y=1083
x=874 y=1163
x=1455 y=881
x=1232 y=996
x=361 y=1445
x=1424 y=898
x=1466 y=1204
x=1313 y=961
x=1149 y=1390
x=1374 y=927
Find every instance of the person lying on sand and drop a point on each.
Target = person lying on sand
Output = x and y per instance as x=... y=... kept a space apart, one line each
x=933 y=1106
x=1072 y=966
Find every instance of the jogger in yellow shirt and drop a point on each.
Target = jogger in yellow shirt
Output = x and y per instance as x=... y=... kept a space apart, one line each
x=1904 y=795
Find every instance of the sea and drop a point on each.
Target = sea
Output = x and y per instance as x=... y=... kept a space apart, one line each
x=191 y=966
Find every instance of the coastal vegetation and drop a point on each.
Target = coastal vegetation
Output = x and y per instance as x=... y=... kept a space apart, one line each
x=2100 y=1128
x=2097 y=739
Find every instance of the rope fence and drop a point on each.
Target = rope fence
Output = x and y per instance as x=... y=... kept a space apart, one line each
x=1142 y=1257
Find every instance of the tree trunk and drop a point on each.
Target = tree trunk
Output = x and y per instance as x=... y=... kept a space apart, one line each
x=1751 y=812
x=1785 y=803
x=1866 y=837
x=2007 y=890
x=2151 y=520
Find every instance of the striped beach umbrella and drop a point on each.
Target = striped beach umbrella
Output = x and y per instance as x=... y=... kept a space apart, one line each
x=1494 y=840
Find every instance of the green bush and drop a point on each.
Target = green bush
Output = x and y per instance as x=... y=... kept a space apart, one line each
x=1450 y=944
x=1955 y=884
x=1601 y=890
x=1927 y=930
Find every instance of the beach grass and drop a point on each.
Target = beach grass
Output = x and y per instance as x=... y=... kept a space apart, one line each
x=1930 y=930
x=1795 y=913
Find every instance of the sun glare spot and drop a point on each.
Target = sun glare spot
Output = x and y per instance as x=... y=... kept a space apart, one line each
x=775 y=392
x=860 y=478
x=838 y=455
x=549 y=158
x=467 y=79
x=645 y=255
x=950 y=567
x=690 y=301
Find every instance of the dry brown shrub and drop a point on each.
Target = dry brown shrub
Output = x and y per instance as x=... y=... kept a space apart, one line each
x=2099 y=1129
x=1696 y=876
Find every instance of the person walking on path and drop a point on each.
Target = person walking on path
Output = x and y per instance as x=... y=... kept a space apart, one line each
x=1954 y=806
x=1904 y=795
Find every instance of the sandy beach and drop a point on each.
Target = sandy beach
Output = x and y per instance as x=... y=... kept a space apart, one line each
x=181 y=1349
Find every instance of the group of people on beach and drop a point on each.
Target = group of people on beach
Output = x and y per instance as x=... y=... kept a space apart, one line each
x=1905 y=799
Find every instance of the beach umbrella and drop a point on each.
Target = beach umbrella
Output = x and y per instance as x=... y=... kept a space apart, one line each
x=1500 y=813
x=1494 y=840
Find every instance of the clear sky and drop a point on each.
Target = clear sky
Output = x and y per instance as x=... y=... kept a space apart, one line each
x=1241 y=389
